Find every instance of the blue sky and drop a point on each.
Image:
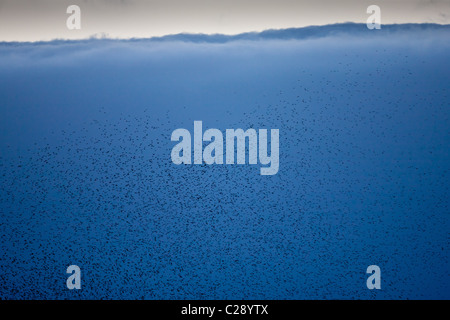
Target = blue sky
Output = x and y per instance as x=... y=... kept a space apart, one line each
x=87 y=179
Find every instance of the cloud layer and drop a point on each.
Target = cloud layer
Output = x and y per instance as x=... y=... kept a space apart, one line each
x=23 y=20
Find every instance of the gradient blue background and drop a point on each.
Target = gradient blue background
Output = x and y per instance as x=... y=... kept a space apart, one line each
x=86 y=176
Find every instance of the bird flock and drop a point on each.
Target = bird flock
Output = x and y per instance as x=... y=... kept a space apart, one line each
x=363 y=178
